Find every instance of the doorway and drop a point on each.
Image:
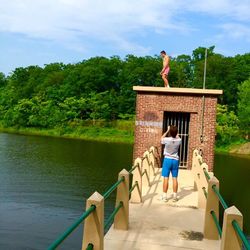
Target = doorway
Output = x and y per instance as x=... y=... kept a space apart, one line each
x=181 y=120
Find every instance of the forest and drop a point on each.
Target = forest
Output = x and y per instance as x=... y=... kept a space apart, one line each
x=98 y=93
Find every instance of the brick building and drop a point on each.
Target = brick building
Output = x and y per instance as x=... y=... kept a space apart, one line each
x=192 y=110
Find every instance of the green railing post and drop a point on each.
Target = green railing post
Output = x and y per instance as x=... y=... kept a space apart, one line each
x=201 y=183
x=136 y=197
x=195 y=169
x=145 y=167
x=93 y=231
x=121 y=219
x=210 y=227
x=230 y=239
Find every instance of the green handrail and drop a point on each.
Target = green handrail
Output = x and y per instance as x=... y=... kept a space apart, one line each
x=133 y=187
x=144 y=172
x=150 y=163
x=206 y=174
x=111 y=217
x=204 y=191
x=241 y=234
x=90 y=246
x=110 y=190
x=217 y=224
x=222 y=201
x=133 y=168
x=60 y=239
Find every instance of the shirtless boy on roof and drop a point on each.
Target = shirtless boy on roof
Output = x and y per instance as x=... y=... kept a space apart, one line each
x=165 y=68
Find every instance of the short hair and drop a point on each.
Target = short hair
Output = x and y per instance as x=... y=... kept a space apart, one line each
x=163 y=52
x=173 y=131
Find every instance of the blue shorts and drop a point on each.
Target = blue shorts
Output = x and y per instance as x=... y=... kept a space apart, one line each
x=170 y=165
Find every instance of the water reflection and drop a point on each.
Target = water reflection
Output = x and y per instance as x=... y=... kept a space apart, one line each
x=44 y=182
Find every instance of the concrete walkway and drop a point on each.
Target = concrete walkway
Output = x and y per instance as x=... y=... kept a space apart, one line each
x=158 y=225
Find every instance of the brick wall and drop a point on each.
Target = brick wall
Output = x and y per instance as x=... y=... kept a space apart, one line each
x=150 y=107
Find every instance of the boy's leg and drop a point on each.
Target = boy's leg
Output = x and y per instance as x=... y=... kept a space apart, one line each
x=165 y=185
x=165 y=174
x=175 y=185
x=165 y=79
x=175 y=170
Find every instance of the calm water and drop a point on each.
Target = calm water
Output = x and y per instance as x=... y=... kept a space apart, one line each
x=234 y=172
x=45 y=181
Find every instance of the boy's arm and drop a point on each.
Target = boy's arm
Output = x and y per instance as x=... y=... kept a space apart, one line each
x=164 y=135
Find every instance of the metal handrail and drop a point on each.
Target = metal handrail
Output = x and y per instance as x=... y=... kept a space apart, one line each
x=60 y=239
x=204 y=191
x=111 y=217
x=216 y=221
x=90 y=246
x=111 y=189
x=241 y=234
x=133 y=187
x=206 y=174
x=133 y=168
x=222 y=201
x=144 y=172
x=235 y=224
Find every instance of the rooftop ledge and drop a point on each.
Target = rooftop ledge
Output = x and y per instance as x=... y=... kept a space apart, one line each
x=178 y=90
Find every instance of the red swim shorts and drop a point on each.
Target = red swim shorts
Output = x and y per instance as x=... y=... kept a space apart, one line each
x=166 y=71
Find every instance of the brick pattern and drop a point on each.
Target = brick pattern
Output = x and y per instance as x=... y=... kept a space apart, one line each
x=151 y=107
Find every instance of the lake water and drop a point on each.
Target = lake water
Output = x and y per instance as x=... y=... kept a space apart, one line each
x=44 y=183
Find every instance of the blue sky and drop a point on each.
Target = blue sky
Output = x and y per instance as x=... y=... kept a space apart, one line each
x=38 y=32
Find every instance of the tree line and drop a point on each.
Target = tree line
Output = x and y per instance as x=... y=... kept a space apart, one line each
x=100 y=88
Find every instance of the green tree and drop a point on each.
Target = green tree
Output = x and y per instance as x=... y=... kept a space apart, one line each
x=2 y=80
x=244 y=106
x=227 y=126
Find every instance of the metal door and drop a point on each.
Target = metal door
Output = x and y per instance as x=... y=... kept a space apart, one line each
x=181 y=120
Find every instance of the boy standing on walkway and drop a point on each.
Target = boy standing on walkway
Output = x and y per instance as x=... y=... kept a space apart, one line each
x=165 y=68
x=171 y=160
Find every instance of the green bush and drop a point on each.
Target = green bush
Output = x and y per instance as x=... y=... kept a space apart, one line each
x=227 y=128
x=244 y=107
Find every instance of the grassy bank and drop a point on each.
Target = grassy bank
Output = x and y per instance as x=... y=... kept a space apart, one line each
x=234 y=147
x=120 y=132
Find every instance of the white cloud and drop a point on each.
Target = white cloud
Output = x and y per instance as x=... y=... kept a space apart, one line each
x=235 y=31
x=66 y=21
x=235 y=9
x=77 y=23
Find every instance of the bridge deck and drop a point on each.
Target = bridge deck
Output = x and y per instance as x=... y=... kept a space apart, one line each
x=157 y=225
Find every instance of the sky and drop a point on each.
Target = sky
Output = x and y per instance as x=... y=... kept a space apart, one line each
x=38 y=32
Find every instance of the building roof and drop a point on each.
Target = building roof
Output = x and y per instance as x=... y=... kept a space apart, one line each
x=178 y=90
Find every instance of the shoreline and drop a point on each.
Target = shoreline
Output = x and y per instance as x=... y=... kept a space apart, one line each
x=109 y=135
